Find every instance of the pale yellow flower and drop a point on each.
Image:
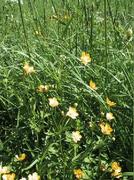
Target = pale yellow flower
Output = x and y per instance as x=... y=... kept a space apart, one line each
x=53 y=102
x=21 y=157
x=34 y=176
x=106 y=128
x=109 y=116
x=38 y=33
x=23 y=179
x=78 y=173
x=10 y=176
x=85 y=58
x=116 y=169
x=42 y=88
x=66 y=17
x=4 y=169
x=72 y=112
x=28 y=69
x=110 y=103
x=76 y=136
x=92 y=85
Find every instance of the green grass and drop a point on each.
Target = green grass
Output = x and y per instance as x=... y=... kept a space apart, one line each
x=51 y=35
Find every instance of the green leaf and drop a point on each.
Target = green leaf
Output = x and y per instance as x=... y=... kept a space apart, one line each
x=128 y=174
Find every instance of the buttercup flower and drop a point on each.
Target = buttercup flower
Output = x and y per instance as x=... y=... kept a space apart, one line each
x=43 y=88
x=109 y=116
x=117 y=174
x=66 y=17
x=53 y=102
x=85 y=58
x=78 y=173
x=110 y=103
x=72 y=112
x=4 y=169
x=33 y=176
x=92 y=85
x=116 y=169
x=28 y=69
x=106 y=128
x=21 y=157
x=37 y=33
x=10 y=176
x=76 y=136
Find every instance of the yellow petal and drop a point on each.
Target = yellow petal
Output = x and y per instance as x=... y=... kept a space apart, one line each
x=78 y=173
x=21 y=157
x=110 y=103
x=106 y=128
x=92 y=85
x=85 y=58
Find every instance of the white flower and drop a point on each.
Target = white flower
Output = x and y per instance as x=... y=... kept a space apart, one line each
x=76 y=136
x=72 y=113
x=23 y=179
x=53 y=102
x=109 y=116
x=33 y=176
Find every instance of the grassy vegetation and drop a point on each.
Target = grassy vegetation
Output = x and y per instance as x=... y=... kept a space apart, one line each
x=41 y=43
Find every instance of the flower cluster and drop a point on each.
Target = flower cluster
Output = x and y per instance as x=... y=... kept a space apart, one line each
x=104 y=124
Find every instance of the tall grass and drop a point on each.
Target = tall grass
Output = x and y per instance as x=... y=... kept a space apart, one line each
x=51 y=35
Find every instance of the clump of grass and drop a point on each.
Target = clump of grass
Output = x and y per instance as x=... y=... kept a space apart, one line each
x=66 y=89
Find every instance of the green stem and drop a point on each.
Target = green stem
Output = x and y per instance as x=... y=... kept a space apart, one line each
x=105 y=28
x=24 y=29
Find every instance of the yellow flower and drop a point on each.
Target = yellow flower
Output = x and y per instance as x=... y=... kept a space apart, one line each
x=76 y=136
x=85 y=58
x=109 y=116
x=53 y=102
x=72 y=112
x=106 y=128
x=117 y=174
x=116 y=169
x=78 y=173
x=116 y=166
x=21 y=157
x=41 y=88
x=10 y=176
x=28 y=69
x=92 y=85
x=4 y=169
x=66 y=17
x=37 y=33
x=34 y=176
x=110 y=103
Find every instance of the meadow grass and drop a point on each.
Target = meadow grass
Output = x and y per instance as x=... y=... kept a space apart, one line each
x=41 y=42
